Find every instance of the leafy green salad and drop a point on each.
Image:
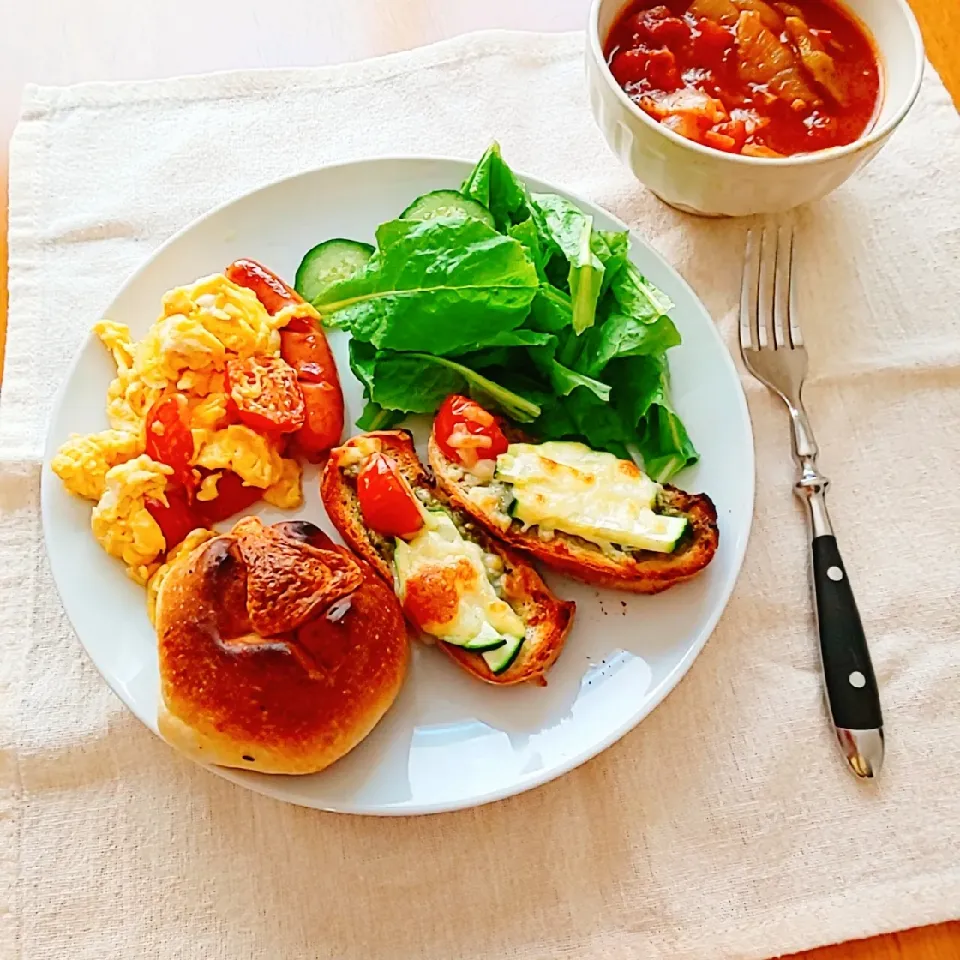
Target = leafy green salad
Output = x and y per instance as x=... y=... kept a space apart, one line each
x=516 y=299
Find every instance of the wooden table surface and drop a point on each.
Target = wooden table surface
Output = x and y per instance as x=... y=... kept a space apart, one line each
x=65 y=41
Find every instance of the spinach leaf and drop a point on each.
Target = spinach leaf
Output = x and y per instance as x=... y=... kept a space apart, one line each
x=419 y=382
x=555 y=422
x=665 y=447
x=641 y=397
x=598 y=423
x=438 y=285
x=551 y=310
x=526 y=233
x=543 y=318
x=521 y=337
x=624 y=336
x=570 y=232
x=634 y=322
x=375 y=417
x=611 y=248
x=561 y=378
x=637 y=297
x=495 y=185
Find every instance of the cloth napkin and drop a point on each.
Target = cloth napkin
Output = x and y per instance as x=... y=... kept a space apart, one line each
x=725 y=825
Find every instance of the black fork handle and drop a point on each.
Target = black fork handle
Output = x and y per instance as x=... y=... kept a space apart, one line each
x=847 y=668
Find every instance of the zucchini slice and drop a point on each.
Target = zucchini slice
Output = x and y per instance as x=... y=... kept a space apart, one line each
x=500 y=659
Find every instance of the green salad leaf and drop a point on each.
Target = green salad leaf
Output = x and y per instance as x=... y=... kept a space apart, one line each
x=497 y=187
x=441 y=285
x=624 y=336
x=543 y=318
x=561 y=378
x=419 y=382
x=641 y=397
x=515 y=338
x=569 y=231
x=611 y=249
x=551 y=310
x=637 y=297
x=636 y=323
x=375 y=417
x=526 y=232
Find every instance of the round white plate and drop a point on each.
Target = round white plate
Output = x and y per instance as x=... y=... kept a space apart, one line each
x=449 y=741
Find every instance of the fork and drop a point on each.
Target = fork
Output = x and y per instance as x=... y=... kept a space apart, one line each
x=771 y=344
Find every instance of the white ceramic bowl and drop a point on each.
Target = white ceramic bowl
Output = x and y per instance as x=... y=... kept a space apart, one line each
x=700 y=180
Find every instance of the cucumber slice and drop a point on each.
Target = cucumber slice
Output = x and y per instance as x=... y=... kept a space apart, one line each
x=447 y=203
x=486 y=639
x=500 y=659
x=328 y=263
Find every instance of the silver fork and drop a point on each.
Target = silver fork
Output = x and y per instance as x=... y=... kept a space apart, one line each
x=772 y=348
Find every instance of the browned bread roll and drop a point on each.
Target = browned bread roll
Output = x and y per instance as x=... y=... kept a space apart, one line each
x=279 y=650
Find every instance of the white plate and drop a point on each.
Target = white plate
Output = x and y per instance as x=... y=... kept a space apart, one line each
x=449 y=741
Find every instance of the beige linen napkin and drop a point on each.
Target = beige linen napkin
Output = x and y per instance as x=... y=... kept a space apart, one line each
x=725 y=826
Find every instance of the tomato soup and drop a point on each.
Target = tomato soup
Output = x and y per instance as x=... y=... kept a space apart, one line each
x=762 y=79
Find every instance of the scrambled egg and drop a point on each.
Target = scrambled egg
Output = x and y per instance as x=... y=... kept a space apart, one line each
x=242 y=450
x=286 y=492
x=82 y=463
x=201 y=327
x=120 y=520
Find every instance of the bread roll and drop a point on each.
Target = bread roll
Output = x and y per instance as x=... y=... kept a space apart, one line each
x=279 y=651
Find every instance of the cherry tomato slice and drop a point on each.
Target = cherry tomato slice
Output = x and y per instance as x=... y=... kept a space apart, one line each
x=175 y=519
x=386 y=502
x=271 y=291
x=169 y=439
x=266 y=394
x=233 y=496
x=459 y=420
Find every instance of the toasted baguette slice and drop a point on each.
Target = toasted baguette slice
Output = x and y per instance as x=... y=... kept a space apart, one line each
x=547 y=618
x=637 y=572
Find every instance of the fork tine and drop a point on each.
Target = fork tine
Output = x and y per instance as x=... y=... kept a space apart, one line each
x=796 y=336
x=749 y=292
x=768 y=266
x=783 y=293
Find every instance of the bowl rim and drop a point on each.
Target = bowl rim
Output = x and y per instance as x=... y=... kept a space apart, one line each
x=875 y=135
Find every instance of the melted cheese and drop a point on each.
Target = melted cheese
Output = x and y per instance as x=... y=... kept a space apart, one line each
x=444 y=584
x=354 y=452
x=586 y=493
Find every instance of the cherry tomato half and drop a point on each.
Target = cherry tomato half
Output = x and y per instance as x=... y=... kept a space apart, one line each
x=386 y=502
x=175 y=519
x=233 y=496
x=466 y=432
x=266 y=394
x=169 y=439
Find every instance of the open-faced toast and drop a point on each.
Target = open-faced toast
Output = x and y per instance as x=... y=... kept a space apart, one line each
x=487 y=500
x=546 y=620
